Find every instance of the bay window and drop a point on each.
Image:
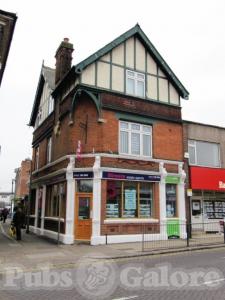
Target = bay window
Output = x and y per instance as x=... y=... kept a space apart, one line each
x=135 y=139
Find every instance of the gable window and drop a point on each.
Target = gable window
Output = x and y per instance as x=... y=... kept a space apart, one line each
x=203 y=153
x=135 y=139
x=135 y=83
x=49 y=150
x=36 y=158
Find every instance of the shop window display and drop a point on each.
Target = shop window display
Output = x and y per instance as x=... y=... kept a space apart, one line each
x=171 y=200
x=129 y=199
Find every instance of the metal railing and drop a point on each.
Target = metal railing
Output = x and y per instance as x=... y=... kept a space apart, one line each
x=181 y=235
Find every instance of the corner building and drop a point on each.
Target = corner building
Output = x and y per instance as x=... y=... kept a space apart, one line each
x=108 y=144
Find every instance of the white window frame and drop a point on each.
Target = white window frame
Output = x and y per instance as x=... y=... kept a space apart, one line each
x=36 y=158
x=136 y=80
x=49 y=150
x=141 y=132
x=193 y=144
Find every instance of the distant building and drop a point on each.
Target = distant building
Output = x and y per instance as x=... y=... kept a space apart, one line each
x=5 y=199
x=22 y=180
x=7 y=25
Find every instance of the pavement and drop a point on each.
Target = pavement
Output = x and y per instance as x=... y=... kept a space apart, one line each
x=34 y=250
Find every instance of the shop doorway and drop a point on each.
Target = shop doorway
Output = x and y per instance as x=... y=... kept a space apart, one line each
x=83 y=216
x=196 y=213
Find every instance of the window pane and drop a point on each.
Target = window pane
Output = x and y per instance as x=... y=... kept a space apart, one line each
x=140 y=88
x=130 y=86
x=84 y=186
x=145 y=209
x=135 y=143
x=123 y=142
x=146 y=145
x=146 y=129
x=171 y=200
x=130 y=73
x=135 y=127
x=130 y=200
x=124 y=125
x=140 y=76
x=114 y=195
x=207 y=154
x=192 y=158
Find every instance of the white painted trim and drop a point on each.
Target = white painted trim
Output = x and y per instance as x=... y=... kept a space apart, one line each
x=96 y=202
x=64 y=238
x=36 y=207
x=70 y=200
x=43 y=208
x=54 y=219
x=58 y=172
x=128 y=221
x=88 y=155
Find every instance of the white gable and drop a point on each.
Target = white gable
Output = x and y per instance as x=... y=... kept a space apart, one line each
x=109 y=72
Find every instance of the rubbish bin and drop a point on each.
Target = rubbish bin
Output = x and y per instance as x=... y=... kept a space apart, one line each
x=173 y=229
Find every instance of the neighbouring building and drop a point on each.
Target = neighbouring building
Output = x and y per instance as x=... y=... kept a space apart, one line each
x=7 y=25
x=108 y=144
x=5 y=199
x=205 y=145
x=22 y=180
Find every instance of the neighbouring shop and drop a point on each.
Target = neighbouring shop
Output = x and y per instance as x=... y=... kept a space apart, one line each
x=208 y=197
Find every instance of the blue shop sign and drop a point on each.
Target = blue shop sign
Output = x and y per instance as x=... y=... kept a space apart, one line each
x=82 y=175
x=131 y=176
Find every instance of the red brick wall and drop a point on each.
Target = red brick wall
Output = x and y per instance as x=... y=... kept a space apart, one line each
x=167 y=141
x=103 y=137
x=22 y=187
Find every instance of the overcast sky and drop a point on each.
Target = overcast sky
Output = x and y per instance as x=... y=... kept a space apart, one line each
x=190 y=35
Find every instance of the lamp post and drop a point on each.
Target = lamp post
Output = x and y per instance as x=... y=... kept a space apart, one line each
x=13 y=194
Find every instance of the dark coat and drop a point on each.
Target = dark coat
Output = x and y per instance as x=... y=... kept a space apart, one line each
x=18 y=218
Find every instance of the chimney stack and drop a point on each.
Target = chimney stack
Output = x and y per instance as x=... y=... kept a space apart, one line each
x=63 y=59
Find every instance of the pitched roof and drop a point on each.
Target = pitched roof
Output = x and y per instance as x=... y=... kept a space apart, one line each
x=47 y=75
x=136 y=31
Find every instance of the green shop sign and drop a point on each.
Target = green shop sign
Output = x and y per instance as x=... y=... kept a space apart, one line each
x=173 y=179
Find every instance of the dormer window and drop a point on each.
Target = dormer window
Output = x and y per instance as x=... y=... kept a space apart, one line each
x=135 y=83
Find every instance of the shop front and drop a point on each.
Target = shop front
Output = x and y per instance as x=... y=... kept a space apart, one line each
x=208 y=198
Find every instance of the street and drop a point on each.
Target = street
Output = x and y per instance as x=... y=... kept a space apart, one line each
x=40 y=269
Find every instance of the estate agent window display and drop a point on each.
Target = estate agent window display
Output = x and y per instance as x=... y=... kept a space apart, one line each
x=126 y=199
x=171 y=200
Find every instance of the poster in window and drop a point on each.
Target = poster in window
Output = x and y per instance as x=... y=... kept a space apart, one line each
x=130 y=199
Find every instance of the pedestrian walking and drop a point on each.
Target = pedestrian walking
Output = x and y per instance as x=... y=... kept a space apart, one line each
x=5 y=213
x=18 y=220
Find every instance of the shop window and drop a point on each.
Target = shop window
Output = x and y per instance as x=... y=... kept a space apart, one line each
x=171 y=200
x=55 y=200
x=84 y=186
x=135 y=139
x=146 y=200
x=204 y=153
x=135 y=83
x=113 y=205
x=129 y=199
